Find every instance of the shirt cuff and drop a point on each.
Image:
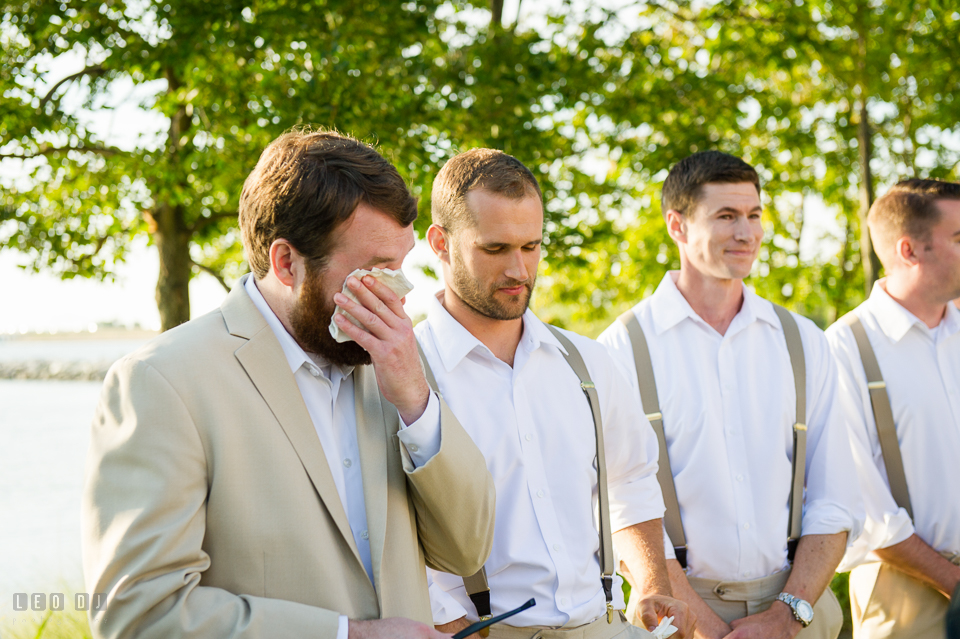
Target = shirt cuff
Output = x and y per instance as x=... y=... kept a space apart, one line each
x=421 y=439
x=443 y=606
x=342 y=629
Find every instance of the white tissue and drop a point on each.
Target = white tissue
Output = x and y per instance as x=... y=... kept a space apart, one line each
x=396 y=281
x=665 y=629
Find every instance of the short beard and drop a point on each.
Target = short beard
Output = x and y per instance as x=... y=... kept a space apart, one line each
x=483 y=302
x=310 y=320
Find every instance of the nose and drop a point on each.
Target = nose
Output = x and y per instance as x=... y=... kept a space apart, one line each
x=743 y=230
x=517 y=269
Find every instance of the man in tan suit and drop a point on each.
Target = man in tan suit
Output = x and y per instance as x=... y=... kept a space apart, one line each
x=248 y=475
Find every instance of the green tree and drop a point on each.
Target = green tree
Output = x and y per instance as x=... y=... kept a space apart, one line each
x=827 y=99
x=228 y=78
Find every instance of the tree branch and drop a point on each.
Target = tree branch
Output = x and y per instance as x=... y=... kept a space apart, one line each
x=204 y=222
x=51 y=150
x=97 y=70
x=214 y=273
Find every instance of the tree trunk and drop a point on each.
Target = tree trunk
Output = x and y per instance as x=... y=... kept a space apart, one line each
x=868 y=256
x=170 y=230
x=496 y=13
x=172 y=238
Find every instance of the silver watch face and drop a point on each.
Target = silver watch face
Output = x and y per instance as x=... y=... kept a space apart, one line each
x=805 y=611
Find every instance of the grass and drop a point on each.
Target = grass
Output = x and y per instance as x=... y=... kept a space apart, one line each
x=66 y=624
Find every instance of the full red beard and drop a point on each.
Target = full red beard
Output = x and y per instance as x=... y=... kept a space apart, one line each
x=310 y=320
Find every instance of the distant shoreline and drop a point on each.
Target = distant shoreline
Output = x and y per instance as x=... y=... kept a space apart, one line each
x=55 y=371
x=101 y=334
x=82 y=356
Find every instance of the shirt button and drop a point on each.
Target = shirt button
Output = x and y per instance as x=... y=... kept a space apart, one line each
x=556 y=547
x=528 y=437
x=347 y=463
x=746 y=526
x=314 y=371
x=413 y=448
x=365 y=535
x=540 y=494
x=563 y=601
x=739 y=477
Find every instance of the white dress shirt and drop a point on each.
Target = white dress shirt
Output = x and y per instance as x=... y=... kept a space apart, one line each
x=921 y=367
x=729 y=405
x=535 y=428
x=327 y=391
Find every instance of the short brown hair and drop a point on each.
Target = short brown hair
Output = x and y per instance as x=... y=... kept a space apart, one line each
x=683 y=187
x=487 y=169
x=909 y=208
x=306 y=184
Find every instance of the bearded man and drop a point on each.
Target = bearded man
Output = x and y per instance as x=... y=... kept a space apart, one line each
x=554 y=417
x=248 y=475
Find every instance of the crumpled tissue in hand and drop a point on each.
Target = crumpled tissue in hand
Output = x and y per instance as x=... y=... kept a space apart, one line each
x=396 y=281
x=665 y=629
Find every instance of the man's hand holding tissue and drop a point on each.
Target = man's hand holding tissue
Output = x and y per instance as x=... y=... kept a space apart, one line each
x=387 y=334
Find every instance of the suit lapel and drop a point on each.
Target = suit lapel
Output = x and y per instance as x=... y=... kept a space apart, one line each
x=372 y=439
x=263 y=360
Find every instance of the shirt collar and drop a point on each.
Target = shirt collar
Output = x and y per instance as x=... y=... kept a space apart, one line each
x=669 y=307
x=296 y=356
x=896 y=321
x=454 y=342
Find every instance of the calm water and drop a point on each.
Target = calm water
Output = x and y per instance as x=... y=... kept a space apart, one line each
x=44 y=434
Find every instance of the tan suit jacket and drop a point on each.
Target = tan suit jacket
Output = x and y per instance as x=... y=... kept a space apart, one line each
x=209 y=509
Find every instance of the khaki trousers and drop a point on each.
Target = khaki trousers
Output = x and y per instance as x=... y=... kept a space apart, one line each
x=888 y=604
x=737 y=599
x=598 y=629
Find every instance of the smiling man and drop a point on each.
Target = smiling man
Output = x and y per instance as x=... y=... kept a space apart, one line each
x=551 y=413
x=743 y=396
x=899 y=359
x=249 y=476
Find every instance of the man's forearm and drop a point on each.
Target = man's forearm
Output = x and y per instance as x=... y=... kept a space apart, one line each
x=815 y=563
x=709 y=624
x=916 y=558
x=641 y=549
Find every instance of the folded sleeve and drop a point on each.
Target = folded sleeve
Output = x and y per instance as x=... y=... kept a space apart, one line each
x=833 y=501
x=886 y=523
x=630 y=445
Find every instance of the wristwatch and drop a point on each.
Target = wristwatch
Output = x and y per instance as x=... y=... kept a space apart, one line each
x=802 y=611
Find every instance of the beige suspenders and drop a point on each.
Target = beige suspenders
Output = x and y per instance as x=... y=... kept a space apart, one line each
x=882 y=415
x=651 y=406
x=476 y=585
x=791 y=332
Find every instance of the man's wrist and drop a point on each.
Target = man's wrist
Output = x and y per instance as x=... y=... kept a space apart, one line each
x=413 y=411
x=789 y=617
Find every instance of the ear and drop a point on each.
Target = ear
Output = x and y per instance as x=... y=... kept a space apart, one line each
x=439 y=242
x=676 y=226
x=906 y=251
x=286 y=263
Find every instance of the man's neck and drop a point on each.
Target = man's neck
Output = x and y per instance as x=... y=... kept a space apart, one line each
x=501 y=336
x=913 y=298
x=716 y=301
